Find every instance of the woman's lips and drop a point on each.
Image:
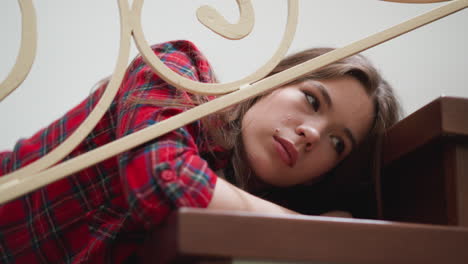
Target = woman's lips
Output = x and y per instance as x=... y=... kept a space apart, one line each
x=287 y=151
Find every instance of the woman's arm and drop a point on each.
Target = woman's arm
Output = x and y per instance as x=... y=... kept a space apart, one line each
x=229 y=197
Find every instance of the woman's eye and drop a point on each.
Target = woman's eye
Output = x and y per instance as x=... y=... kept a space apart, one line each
x=338 y=144
x=313 y=101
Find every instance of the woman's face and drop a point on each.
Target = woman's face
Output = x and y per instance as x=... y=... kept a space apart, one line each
x=300 y=131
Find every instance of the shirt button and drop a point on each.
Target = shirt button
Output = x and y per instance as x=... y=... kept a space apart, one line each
x=168 y=175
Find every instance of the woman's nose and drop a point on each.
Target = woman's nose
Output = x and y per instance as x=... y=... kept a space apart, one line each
x=310 y=135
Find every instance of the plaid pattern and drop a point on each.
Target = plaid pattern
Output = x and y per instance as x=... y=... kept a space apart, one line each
x=101 y=214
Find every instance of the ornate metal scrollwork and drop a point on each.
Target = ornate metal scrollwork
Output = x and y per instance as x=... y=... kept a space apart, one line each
x=21 y=181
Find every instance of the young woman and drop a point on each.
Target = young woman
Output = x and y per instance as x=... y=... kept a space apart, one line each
x=291 y=137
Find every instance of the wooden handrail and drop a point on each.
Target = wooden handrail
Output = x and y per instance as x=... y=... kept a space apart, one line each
x=445 y=116
x=192 y=235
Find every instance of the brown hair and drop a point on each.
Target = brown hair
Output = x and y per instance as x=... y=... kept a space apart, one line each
x=387 y=109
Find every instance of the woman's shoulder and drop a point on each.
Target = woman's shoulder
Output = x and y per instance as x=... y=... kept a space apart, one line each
x=182 y=57
x=145 y=96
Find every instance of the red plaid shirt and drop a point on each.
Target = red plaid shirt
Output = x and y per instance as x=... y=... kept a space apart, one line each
x=101 y=214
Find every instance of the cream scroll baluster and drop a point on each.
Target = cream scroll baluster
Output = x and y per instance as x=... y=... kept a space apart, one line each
x=27 y=51
x=210 y=88
x=214 y=21
x=15 y=187
x=85 y=128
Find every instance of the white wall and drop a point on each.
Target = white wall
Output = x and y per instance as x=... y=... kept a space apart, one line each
x=78 y=45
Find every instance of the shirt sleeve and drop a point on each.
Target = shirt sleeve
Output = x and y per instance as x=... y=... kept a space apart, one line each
x=167 y=172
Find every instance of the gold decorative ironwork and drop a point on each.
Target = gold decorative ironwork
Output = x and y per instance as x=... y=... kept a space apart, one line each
x=22 y=181
x=27 y=51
